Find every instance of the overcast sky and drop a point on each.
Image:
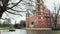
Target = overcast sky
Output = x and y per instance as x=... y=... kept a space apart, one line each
x=48 y=3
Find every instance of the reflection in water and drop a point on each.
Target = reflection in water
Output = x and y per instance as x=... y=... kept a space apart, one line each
x=43 y=32
x=18 y=31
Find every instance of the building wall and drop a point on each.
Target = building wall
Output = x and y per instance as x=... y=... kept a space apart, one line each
x=58 y=21
x=39 y=20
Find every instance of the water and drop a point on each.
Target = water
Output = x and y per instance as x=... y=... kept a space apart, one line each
x=42 y=32
x=18 y=31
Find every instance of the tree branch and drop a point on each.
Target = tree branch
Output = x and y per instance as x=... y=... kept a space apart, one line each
x=8 y=16
x=58 y=11
x=12 y=3
x=16 y=10
x=14 y=13
x=16 y=4
x=3 y=18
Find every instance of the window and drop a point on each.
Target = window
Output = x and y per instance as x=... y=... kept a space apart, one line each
x=41 y=6
x=41 y=17
x=41 y=10
x=41 y=1
x=31 y=24
x=38 y=0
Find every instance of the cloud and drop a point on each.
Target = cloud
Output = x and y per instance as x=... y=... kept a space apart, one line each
x=50 y=4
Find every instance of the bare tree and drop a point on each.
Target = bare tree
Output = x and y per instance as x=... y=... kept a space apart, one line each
x=5 y=8
x=55 y=15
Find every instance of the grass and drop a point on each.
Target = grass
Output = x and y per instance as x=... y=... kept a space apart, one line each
x=5 y=28
x=38 y=29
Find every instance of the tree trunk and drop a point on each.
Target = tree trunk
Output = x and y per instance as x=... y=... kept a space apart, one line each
x=4 y=7
x=55 y=21
x=1 y=11
x=1 y=14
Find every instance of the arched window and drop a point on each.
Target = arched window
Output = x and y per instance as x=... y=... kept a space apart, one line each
x=31 y=24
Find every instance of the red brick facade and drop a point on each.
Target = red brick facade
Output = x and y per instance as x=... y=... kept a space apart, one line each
x=58 y=21
x=41 y=19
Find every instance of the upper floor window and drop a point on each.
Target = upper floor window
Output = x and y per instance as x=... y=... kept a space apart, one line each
x=41 y=10
x=38 y=1
x=41 y=1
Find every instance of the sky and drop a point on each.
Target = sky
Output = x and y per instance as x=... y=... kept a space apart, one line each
x=50 y=4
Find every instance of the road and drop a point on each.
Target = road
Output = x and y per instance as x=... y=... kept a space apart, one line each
x=18 y=31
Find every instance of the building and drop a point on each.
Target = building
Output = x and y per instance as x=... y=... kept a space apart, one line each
x=41 y=18
x=58 y=21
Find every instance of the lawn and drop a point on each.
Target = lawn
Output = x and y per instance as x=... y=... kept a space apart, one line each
x=5 y=28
